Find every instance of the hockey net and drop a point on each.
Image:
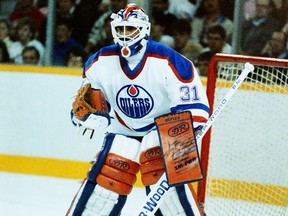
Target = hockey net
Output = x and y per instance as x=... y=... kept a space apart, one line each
x=245 y=154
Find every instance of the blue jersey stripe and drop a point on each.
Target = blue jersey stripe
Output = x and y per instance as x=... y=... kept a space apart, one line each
x=183 y=107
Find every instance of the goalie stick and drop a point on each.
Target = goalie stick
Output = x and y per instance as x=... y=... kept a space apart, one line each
x=153 y=200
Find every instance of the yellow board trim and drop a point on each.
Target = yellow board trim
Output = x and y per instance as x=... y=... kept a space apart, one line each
x=218 y=188
x=276 y=89
x=50 y=167
x=47 y=167
x=248 y=191
x=41 y=70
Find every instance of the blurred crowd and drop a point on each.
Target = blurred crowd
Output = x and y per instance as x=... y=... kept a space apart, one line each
x=195 y=28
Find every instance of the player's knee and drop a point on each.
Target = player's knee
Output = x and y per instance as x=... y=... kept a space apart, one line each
x=118 y=174
x=151 y=165
x=110 y=178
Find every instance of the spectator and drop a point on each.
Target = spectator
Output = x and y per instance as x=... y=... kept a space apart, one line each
x=108 y=38
x=97 y=33
x=285 y=7
x=277 y=46
x=30 y=56
x=85 y=14
x=42 y=6
x=63 y=41
x=257 y=32
x=65 y=9
x=184 y=9
x=26 y=8
x=76 y=57
x=162 y=16
x=4 y=56
x=213 y=16
x=216 y=41
x=202 y=63
x=249 y=9
x=158 y=31
x=182 y=32
x=5 y=33
x=25 y=31
x=279 y=11
x=227 y=10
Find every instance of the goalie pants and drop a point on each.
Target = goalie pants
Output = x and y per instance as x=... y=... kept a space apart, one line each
x=110 y=180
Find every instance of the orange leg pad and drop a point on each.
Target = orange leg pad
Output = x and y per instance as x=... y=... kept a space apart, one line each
x=122 y=163
x=151 y=154
x=118 y=175
x=113 y=185
x=151 y=177
x=151 y=170
x=152 y=165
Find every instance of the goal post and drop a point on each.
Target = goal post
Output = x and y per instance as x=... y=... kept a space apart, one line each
x=245 y=154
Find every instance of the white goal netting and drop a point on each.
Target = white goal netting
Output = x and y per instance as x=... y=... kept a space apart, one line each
x=247 y=171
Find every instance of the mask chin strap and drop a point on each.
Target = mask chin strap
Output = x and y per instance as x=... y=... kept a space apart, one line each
x=132 y=50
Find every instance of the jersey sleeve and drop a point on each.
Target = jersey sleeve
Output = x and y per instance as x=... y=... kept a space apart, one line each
x=186 y=91
x=90 y=74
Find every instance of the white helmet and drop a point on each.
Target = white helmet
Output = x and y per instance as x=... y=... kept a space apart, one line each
x=135 y=17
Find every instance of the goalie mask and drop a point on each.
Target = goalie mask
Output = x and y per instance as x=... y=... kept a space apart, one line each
x=130 y=29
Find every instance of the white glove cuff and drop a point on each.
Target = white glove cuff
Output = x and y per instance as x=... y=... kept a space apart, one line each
x=95 y=121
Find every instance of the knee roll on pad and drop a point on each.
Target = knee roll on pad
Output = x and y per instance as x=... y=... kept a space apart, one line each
x=151 y=165
x=118 y=174
x=93 y=197
x=103 y=202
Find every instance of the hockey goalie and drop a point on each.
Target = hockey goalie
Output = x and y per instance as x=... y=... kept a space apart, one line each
x=127 y=87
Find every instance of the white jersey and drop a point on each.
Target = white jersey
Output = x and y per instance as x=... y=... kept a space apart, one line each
x=162 y=82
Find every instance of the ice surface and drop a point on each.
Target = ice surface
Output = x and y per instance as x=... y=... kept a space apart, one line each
x=27 y=195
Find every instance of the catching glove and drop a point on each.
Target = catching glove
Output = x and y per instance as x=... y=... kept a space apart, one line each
x=90 y=108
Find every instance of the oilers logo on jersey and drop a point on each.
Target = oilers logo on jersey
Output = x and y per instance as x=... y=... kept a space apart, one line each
x=134 y=101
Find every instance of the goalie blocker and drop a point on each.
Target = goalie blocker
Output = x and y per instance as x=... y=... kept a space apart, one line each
x=179 y=147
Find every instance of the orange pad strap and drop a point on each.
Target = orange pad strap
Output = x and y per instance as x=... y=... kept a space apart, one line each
x=118 y=174
x=151 y=165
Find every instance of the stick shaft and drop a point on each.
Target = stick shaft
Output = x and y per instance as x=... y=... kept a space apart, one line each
x=150 y=205
x=247 y=69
